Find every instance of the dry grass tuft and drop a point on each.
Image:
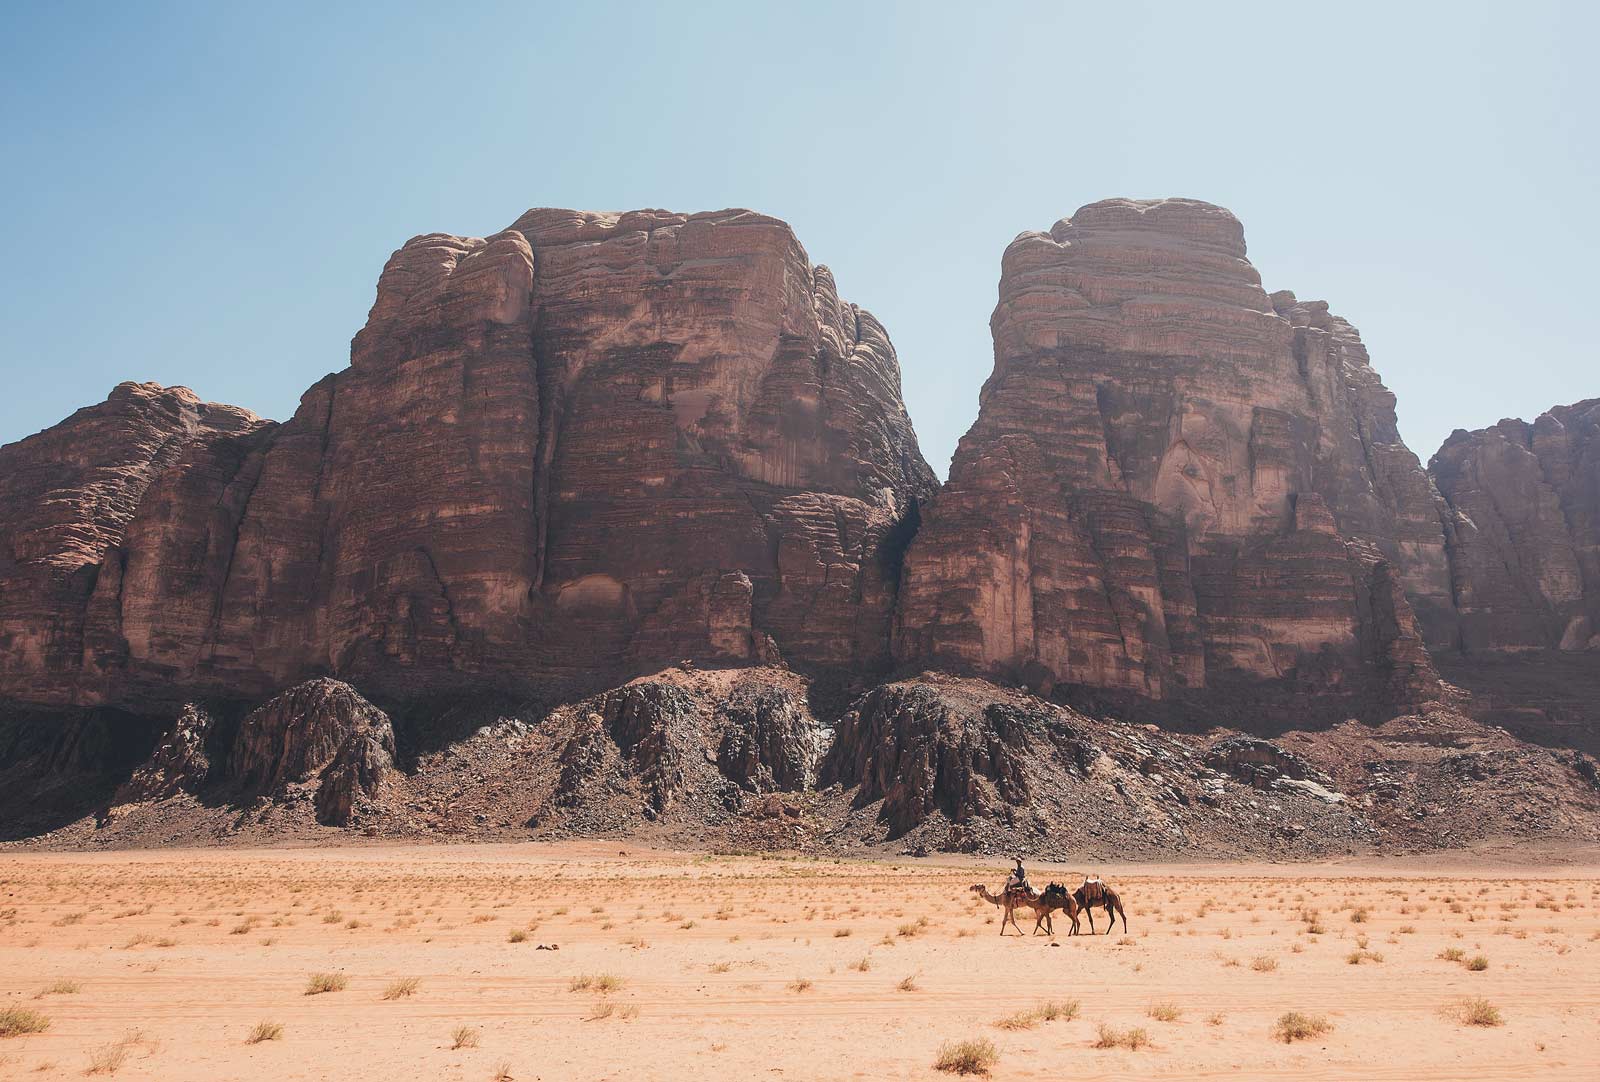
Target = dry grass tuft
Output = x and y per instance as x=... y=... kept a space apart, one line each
x=109 y=1058
x=976 y=1055
x=463 y=1037
x=517 y=936
x=1164 y=1012
x=1477 y=1011
x=801 y=984
x=1263 y=963
x=604 y=983
x=326 y=982
x=1478 y=963
x=1048 y=1011
x=265 y=1031
x=402 y=988
x=59 y=988
x=1293 y=1026
x=1132 y=1038
x=16 y=1021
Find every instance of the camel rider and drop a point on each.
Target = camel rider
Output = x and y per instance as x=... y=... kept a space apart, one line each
x=1018 y=880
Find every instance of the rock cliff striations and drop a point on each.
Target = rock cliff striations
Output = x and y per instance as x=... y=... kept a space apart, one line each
x=585 y=444
x=1523 y=531
x=1179 y=490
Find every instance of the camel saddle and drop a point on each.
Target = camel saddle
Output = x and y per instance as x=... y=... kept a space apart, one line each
x=1093 y=889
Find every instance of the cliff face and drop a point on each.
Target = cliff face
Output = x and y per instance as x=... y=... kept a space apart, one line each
x=1524 y=528
x=72 y=494
x=1178 y=487
x=594 y=443
x=586 y=443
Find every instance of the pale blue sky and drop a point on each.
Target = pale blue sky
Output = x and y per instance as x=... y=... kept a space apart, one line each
x=205 y=196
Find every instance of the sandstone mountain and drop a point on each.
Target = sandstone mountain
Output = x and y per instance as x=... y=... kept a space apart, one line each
x=617 y=523
x=584 y=444
x=1179 y=489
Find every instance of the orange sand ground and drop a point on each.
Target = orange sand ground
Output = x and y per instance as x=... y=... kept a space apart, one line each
x=746 y=968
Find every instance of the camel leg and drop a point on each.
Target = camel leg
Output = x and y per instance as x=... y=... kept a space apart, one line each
x=1088 y=911
x=1010 y=916
x=1124 y=914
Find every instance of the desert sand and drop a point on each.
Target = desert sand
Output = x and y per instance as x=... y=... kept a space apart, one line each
x=160 y=964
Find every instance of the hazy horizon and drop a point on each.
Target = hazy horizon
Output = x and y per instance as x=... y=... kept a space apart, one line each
x=206 y=198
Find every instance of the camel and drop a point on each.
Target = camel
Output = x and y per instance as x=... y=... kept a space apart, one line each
x=1054 y=897
x=1095 y=892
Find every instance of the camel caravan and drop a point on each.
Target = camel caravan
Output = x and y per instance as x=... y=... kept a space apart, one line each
x=1017 y=894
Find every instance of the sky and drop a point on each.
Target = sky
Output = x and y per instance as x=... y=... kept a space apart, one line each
x=204 y=194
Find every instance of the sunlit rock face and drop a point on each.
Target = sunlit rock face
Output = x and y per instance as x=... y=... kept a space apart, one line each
x=584 y=444
x=1524 y=529
x=1179 y=487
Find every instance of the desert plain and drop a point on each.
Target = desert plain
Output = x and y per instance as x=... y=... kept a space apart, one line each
x=390 y=962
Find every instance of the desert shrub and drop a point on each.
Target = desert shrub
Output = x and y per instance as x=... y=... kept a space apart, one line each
x=265 y=1031
x=402 y=988
x=1048 y=1011
x=1133 y=1038
x=604 y=983
x=1478 y=1011
x=326 y=982
x=16 y=1021
x=976 y=1055
x=1293 y=1026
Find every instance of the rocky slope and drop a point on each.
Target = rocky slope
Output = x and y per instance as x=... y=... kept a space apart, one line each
x=582 y=445
x=1181 y=494
x=760 y=758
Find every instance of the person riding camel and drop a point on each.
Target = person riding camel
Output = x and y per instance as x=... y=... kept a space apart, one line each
x=1018 y=879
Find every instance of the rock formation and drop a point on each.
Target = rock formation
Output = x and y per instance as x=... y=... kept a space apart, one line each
x=1179 y=490
x=571 y=461
x=181 y=761
x=1522 y=525
x=70 y=496
x=937 y=749
x=321 y=732
x=1524 y=532
x=582 y=445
